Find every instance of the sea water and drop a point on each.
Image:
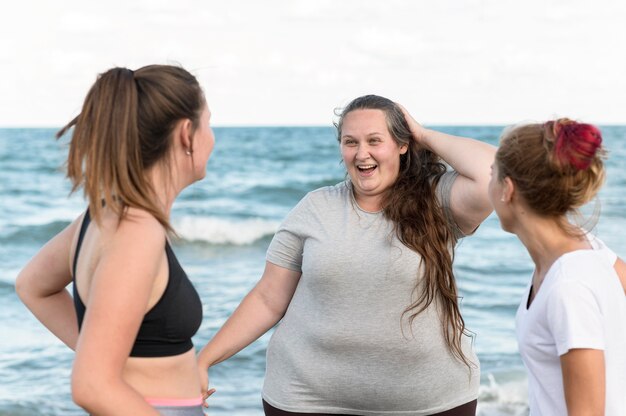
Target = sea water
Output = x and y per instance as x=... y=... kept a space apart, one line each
x=254 y=177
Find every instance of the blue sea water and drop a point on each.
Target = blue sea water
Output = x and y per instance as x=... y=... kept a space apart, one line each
x=255 y=176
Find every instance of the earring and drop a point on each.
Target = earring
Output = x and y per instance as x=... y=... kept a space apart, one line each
x=502 y=199
x=187 y=152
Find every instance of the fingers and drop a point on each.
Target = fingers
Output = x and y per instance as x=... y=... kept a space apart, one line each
x=205 y=396
x=208 y=393
x=415 y=127
x=407 y=116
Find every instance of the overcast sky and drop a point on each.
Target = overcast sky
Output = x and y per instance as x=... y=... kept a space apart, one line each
x=291 y=62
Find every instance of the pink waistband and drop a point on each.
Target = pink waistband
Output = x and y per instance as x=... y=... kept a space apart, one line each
x=154 y=401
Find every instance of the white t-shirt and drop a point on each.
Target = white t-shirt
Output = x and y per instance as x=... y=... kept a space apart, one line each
x=580 y=304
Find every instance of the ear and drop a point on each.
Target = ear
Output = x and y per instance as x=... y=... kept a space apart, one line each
x=184 y=135
x=404 y=148
x=508 y=190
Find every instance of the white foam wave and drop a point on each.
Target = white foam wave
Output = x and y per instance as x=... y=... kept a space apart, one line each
x=509 y=398
x=224 y=231
x=37 y=216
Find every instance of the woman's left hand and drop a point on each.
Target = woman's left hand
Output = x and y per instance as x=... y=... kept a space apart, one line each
x=204 y=386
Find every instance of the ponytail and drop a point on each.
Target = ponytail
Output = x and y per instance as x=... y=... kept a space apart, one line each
x=124 y=128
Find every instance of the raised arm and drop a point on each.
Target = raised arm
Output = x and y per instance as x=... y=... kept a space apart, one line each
x=472 y=159
x=259 y=311
x=41 y=285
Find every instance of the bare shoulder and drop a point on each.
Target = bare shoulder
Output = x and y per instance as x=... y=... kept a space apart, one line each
x=136 y=217
x=74 y=231
x=70 y=234
x=133 y=246
x=138 y=233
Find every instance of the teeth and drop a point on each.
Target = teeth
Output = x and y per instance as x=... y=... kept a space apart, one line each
x=366 y=166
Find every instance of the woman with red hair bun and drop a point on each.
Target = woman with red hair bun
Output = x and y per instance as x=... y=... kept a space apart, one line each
x=570 y=323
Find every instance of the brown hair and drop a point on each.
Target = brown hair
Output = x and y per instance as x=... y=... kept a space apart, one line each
x=419 y=221
x=123 y=129
x=556 y=166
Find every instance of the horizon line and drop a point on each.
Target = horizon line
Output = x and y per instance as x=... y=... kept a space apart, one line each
x=294 y=125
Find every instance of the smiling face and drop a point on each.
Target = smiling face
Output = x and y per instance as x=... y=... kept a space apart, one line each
x=371 y=156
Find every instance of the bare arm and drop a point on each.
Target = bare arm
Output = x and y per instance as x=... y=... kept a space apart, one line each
x=41 y=285
x=472 y=159
x=583 y=381
x=259 y=311
x=620 y=268
x=118 y=298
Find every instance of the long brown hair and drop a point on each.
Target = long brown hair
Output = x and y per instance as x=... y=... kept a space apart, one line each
x=123 y=129
x=420 y=223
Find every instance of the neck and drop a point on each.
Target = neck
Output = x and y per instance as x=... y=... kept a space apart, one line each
x=546 y=241
x=165 y=188
x=368 y=203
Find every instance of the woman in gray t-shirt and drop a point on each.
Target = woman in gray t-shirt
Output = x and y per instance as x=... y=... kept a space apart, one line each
x=361 y=275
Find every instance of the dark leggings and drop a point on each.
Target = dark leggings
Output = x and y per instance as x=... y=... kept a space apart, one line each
x=467 y=409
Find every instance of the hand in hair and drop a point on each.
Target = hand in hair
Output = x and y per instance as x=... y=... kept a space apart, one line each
x=417 y=130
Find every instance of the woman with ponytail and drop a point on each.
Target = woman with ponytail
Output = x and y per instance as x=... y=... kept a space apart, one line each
x=141 y=137
x=361 y=275
x=570 y=323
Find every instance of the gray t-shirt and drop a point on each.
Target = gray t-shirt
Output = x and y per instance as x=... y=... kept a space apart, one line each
x=343 y=346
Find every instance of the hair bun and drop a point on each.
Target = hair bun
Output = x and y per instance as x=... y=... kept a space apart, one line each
x=576 y=143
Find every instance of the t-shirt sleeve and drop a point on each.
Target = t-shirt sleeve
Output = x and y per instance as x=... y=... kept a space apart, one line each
x=608 y=254
x=287 y=245
x=444 y=190
x=574 y=317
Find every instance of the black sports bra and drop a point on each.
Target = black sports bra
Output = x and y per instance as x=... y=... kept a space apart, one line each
x=168 y=326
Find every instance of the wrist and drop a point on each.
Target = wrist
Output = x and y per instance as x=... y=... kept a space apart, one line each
x=426 y=138
x=204 y=359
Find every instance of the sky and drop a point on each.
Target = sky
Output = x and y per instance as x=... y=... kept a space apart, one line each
x=293 y=62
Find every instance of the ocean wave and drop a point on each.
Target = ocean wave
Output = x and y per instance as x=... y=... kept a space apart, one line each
x=223 y=231
x=506 y=398
x=32 y=233
x=211 y=230
x=4 y=286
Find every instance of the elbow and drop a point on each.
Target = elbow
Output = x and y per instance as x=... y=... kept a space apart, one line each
x=485 y=210
x=21 y=287
x=275 y=310
x=83 y=390
x=87 y=391
x=479 y=208
x=482 y=202
x=81 y=396
x=26 y=291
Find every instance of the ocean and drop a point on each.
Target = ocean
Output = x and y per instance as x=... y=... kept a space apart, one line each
x=254 y=177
